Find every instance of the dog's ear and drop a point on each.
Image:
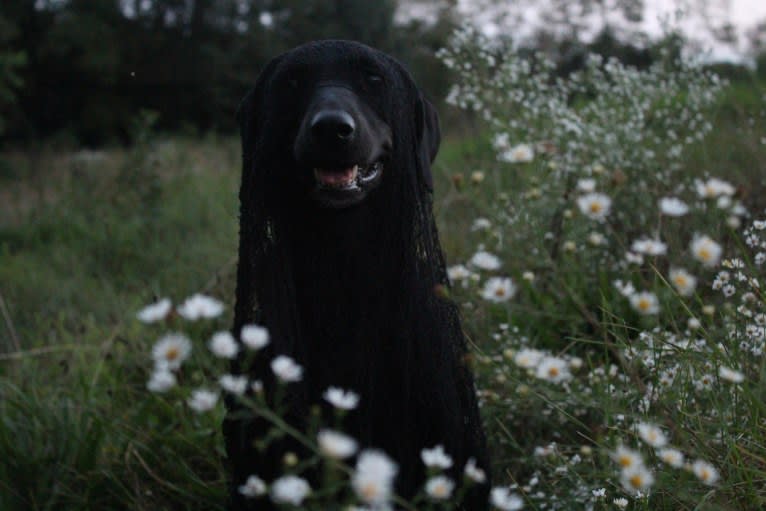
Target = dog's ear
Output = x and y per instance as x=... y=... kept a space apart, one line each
x=247 y=111
x=429 y=138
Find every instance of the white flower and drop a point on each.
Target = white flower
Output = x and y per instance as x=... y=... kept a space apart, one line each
x=254 y=337
x=485 y=261
x=234 y=384
x=651 y=434
x=481 y=224
x=730 y=375
x=253 y=487
x=436 y=457
x=161 y=381
x=637 y=479
x=200 y=306
x=286 y=369
x=498 y=289
x=713 y=188
x=336 y=445
x=645 y=303
x=626 y=458
x=341 y=399
x=632 y=258
x=621 y=502
x=439 y=487
x=473 y=472
x=600 y=493
x=649 y=247
x=672 y=206
x=672 y=457
x=521 y=153
x=705 y=472
x=458 y=272
x=706 y=251
x=171 y=350
x=223 y=345
x=202 y=400
x=373 y=479
x=503 y=499
x=596 y=239
x=155 y=312
x=684 y=282
x=553 y=369
x=586 y=185
x=595 y=206
x=500 y=141
x=528 y=358
x=289 y=489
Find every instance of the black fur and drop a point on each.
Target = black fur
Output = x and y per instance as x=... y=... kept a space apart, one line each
x=350 y=290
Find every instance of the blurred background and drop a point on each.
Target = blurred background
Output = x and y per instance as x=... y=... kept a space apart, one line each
x=78 y=72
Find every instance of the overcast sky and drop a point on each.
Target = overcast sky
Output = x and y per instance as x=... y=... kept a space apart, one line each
x=743 y=14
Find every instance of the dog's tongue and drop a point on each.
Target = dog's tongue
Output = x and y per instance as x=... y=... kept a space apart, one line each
x=337 y=177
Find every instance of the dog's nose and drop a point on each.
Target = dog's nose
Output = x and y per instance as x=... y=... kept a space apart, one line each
x=332 y=125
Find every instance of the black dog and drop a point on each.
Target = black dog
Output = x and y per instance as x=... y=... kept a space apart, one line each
x=340 y=259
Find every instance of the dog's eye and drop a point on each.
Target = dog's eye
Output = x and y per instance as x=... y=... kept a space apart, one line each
x=374 y=79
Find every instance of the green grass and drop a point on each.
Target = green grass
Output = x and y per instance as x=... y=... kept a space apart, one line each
x=85 y=243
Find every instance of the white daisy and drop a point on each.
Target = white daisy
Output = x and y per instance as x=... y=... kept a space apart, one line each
x=706 y=251
x=705 y=472
x=223 y=345
x=503 y=499
x=485 y=261
x=458 y=272
x=341 y=399
x=527 y=358
x=436 y=458
x=621 y=502
x=290 y=489
x=713 y=188
x=336 y=445
x=161 y=381
x=645 y=303
x=553 y=369
x=171 y=350
x=235 y=384
x=649 y=246
x=684 y=282
x=730 y=375
x=200 y=306
x=626 y=458
x=286 y=369
x=595 y=206
x=254 y=337
x=521 y=153
x=672 y=457
x=473 y=472
x=651 y=434
x=672 y=206
x=498 y=289
x=373 y=478
x=586 y=185
x=440 y=487
x=253 y=487
x=637 y=479
x=155 y=312
x=202 y=400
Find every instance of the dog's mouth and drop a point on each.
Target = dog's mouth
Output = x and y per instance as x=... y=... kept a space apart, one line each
x=350 y=178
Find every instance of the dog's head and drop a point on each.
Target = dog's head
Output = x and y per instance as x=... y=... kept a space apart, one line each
x=331 y=113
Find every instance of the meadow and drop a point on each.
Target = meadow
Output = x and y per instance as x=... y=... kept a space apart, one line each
x=606 y=236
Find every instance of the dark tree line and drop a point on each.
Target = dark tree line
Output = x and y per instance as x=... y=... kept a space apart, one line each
x=88 y=67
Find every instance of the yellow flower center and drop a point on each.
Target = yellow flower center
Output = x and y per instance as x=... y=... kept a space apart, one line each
x=369 y=491
x=500 y=292
x=704 y=474
x=704 y=254
x=636 y=481
x=681 y=281
x=595 y=207
x=172 y=353
x=553 y=372
x=625 y=461
x=643 y=304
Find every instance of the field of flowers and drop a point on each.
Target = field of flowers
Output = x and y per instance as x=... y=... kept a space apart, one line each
x=607 y=245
